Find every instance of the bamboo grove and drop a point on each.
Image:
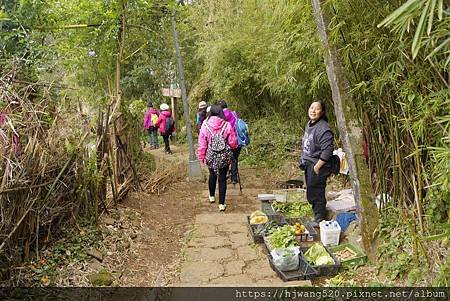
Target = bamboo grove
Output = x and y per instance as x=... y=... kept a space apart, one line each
x=266 y=57
x=74 y=74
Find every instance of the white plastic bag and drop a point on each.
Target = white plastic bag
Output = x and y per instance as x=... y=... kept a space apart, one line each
x=285 y=259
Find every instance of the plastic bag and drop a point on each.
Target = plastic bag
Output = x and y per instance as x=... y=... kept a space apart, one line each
x=285 y=259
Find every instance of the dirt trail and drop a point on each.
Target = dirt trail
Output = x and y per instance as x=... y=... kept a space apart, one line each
x=182 y=233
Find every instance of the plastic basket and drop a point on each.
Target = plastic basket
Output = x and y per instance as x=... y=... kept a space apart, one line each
x=258 y=238
x=290 y=195
x=359 y=259
x=329 y=237
x=310 y=234
x=325 y=270
x=267 y=209
x=303 y=272
x=267 y=244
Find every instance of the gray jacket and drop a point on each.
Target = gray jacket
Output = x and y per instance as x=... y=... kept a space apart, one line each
x=317 y=142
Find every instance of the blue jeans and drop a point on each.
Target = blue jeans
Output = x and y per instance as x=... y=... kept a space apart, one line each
x=153 y=136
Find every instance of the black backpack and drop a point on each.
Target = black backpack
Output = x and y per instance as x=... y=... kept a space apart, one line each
x=170 y=124
x=218 y=154
x=335 y=164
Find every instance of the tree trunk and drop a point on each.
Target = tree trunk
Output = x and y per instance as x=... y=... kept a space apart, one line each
x=350 y=133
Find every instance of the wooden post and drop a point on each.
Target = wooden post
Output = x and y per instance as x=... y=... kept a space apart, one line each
x=174 y=115
x=350 y=133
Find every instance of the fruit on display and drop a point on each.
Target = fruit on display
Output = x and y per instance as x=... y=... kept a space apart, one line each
x=298 y=229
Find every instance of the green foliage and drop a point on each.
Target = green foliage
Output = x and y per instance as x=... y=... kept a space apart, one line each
x=395 y=256
x=432 y=21
x=261 y=55
x=72 y=247
x=443 y=278
x=273 y=140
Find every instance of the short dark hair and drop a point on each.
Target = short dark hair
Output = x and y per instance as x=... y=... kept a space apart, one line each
x=216 y=110
x=222 y=103
x=149 y=104
x=323 y=106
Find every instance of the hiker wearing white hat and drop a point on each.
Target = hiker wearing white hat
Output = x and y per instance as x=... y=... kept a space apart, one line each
x=164 y=107
x=166 y=125
x=201 y=115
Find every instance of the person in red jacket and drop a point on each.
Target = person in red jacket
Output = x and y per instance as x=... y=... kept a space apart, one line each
x=166 y=125
x=216 y=124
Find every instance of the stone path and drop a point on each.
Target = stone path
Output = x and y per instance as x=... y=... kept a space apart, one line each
x=220 y=252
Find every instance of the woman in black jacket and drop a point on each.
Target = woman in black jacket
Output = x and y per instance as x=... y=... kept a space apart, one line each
x=317 y=151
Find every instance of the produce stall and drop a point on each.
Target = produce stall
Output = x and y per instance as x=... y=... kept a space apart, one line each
x=296 y=250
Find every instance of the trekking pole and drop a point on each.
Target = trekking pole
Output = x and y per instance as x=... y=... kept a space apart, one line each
x=239 y=181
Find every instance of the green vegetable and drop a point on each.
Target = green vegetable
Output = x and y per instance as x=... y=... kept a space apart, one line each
x=294 y=209
x=265 y=228
x=318 y=255
x=282 y=237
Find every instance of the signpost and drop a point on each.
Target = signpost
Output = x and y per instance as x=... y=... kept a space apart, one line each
x=173 y=94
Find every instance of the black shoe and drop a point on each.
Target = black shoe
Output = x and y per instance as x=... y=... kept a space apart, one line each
x=316 y=221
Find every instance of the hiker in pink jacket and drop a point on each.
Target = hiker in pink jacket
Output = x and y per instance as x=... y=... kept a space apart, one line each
x=166 y=126
x=218 y=166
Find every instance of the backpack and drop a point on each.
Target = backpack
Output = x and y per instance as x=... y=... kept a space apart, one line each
x=335 y=164
x=169 y=126
x=218 y=154
x=153 y=119
x=241 y=131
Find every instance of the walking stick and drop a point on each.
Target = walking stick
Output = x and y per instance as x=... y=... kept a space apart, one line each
x=239 y=181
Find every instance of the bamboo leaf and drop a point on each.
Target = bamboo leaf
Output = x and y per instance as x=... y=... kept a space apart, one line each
x=430 y=18
x=438 y=236
x=415 y=47
x=435 y=50
x=440 y=9
x=399 y=11
x=447 y=61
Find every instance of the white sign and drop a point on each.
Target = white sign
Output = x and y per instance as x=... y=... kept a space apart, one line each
x=171 y=92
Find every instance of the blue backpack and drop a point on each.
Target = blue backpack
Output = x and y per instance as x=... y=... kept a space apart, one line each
x=241 y=131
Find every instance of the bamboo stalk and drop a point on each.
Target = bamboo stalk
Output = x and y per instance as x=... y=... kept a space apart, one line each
x=417 y=202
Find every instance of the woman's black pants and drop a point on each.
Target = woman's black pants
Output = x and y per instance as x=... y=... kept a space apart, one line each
x=315 y=189
x=222 y=183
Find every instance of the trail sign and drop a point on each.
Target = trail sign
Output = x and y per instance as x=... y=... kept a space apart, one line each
x=171 y=92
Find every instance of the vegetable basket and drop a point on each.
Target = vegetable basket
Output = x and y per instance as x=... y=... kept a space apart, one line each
x=267 y=209
x=292 y=209
x=304 y=270
x=325 y=270
x=255 y=230
x=359 y=259
x=310 y=233
x=290 y=195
